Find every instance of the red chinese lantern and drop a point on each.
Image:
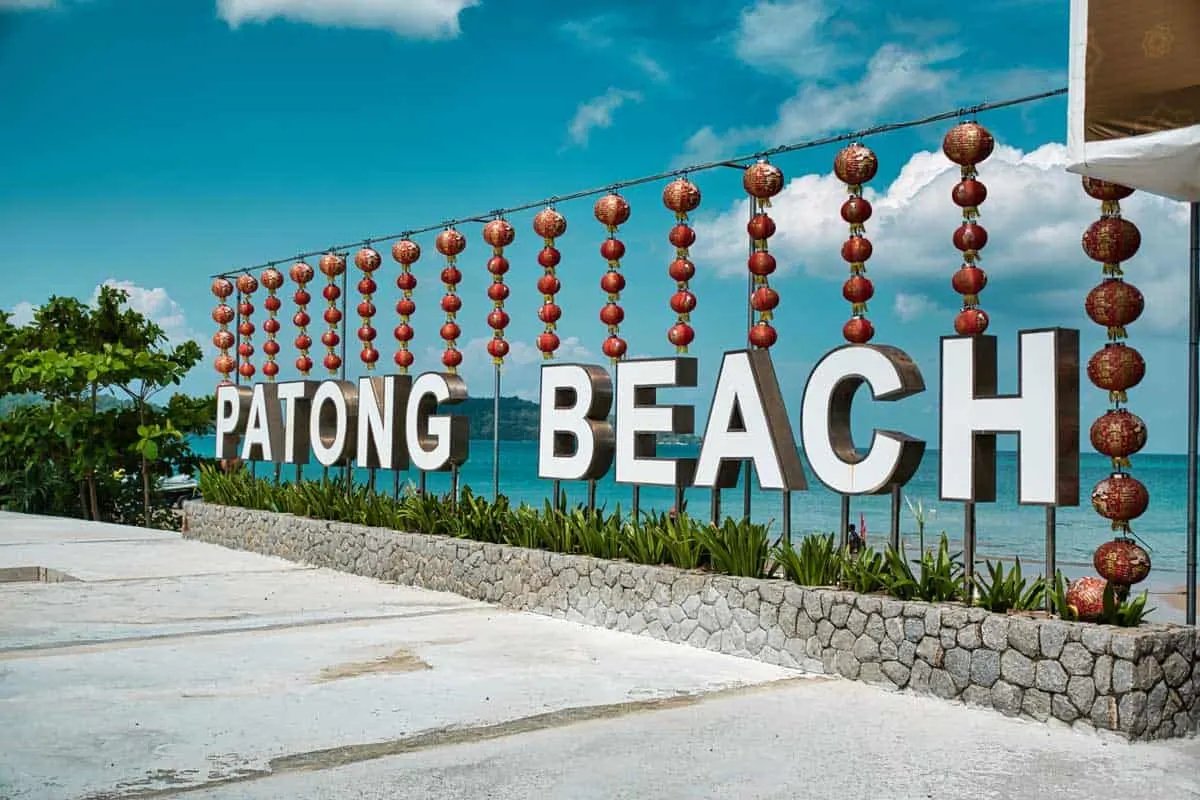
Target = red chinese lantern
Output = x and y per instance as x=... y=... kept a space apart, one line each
x=1114 y=304
x=301 y=273
x=222 y=289
x=450 y=243
x=683 y=197
x=969 y=144
x=762 y=180
x=367 y=260
x=549 y=224
x=1116 y=368
x=499 y=234
x=247 y=285
x=612 y=211
x=854 y=166
x=1122 y=562
x=271 y=279
x=405 y=253
x=1121 y=498
x=1086 y=598
x=1118 y=434
x=332 y=266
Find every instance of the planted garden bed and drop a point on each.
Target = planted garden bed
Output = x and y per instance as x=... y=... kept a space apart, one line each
x=1140 y=681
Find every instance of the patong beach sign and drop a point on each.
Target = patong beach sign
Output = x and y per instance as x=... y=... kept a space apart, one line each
x=397 y=422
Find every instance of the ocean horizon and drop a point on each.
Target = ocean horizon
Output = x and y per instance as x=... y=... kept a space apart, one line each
x=1005 y=529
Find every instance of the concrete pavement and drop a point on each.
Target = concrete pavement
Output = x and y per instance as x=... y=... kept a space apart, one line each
x=178 y=668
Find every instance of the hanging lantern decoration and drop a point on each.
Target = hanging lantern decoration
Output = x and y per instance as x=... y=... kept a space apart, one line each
x=223 y=339
x=271 y=279
x=246 y=286
x=301 y=274
x=333 y=266
x=450 y=243
x=612 y=211
x=1116 y=368
x=499 y=234
x=549 y=224
x=367 y=260
x=683 y=197
x=854 y=166
x=406 y=253
x=762 y=180
x=969 y=144
x=1086 y=598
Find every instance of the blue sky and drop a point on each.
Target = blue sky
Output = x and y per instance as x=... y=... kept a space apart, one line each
x=153 y=144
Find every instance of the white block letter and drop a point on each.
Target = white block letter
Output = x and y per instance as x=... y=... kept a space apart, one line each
x=640 y=420
x=893 y=457
x=748 y=422
x=233 y=404
x=381 y=401
x=436 y=442
x=264 y=431
x=1044 y=414
x=332 y=422
x=575 y=438
x=296 y=397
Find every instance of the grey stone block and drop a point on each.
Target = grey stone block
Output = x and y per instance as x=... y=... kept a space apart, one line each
x=866 y=649
x=969 y=637
x=1147 y=673
x=1007 y=698
x=1016 y=669
x=1051 y=677
x=896 y=672
x=842 y=640
x=1124 y=646
x=1036 y=704
x=918 y=679
x=1176 y=669
x=957 y=663
x=985 y=667
x=1082 y=692
x=995 y=632
x=930 y=651
x=1062 y=709
x=856 y=623
x=847 y=665
x=1122 y=676
x=839 y=615
x=1023 y=635
x=1053 y=635
x=893 y=627
x=1102 y=674
x=1077 y=659
x=914 y=629
x=941 y=684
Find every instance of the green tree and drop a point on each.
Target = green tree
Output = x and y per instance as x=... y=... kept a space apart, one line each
x=94 y=371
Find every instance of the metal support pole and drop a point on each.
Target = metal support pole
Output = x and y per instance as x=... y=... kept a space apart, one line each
x=496 y=437
x=1051 y=552
x=453 y=485
x=556 y=493
x=843 y=538
x=345 y=327
x=679 y=501
x=969 y=548
x=787 y=517
x=748 y=466
x=1193 y=408
x=636 y=509
x=421 y=482
x=894 y=536
x=396 y=484
x=278 y=473
x=371 y=479
x=299 y=473
x=591 y=496
x=714 y=507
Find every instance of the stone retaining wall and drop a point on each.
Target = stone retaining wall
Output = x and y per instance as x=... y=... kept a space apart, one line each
x=1143 y=683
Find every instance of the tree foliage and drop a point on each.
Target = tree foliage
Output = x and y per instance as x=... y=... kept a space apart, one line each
x=82 y=435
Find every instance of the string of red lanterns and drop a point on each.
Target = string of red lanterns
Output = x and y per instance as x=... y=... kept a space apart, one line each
x=247 y=286
x=367 y=260
x=682 y=196
x=405 y=253
x=301 y=273
x=969 y=144
x=222 y=289
x=1116 y=368
x=762 y=181
x=549 y=224
x=271 y=279
x=854 y=166
x=450 y=243
x=499 y=234
x=332 y=266
x=612 y=211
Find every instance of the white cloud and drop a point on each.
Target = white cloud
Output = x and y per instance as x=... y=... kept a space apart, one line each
x=598 y=113
x=894 y=77
x=157 y=306
x=522 y=370
x=22 y=313
x=789 y=36
x=654 y=70
x=1035 y=215
x=418 y=19
x=909 y=307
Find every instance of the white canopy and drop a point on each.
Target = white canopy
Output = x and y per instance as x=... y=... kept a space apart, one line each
x=1134 y=99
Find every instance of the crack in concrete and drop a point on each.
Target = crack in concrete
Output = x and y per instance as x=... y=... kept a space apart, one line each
x=345 y=755
x=100 y=645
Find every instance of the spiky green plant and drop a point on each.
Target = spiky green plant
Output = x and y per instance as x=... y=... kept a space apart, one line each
x=1001 y=591
x=816 y=562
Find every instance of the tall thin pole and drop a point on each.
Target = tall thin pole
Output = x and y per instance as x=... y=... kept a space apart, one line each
x=345 y=330
x=969 y=548
x=746 y=469
x=894 y=536
x=496 y=437
x=1193 y=408
x=844 y=533
x=1051 y=572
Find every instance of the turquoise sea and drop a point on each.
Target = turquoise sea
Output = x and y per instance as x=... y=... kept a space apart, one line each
x=1004 y=529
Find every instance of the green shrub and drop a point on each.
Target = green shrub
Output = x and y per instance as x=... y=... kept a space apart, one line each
x=939 y=578
x=738 y=547
x=1001 y=591
x=865 y=572
x=817 y=562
